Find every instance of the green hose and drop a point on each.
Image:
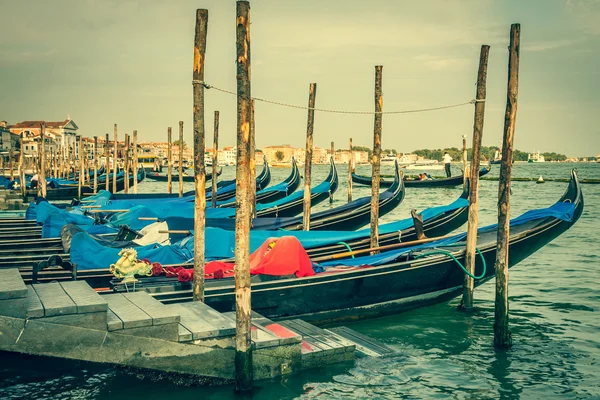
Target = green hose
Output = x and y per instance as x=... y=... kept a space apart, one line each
x=447 y=253
x=347 y=246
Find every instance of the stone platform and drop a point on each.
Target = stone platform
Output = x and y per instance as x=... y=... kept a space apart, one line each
x=71 y=320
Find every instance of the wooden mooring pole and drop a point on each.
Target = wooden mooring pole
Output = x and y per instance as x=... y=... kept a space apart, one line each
x=116 y=168
x=42 y=173
x=95 y=164
x=312 y=94
x=199 y=148
x=502 y=335
x=252 y=163
x=215 y=160
x=80 y=181
x=169 y=163
x=181 y=158
x=135 y=163
x=23 y=184
x=106 y=161
x=465 y=161
x=126 y=166
x=350 y=170
x=473 y=219
x=243 y=340
x=376 y=160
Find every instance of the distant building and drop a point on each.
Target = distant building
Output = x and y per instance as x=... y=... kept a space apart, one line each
x=59 y=135
x=279 y=154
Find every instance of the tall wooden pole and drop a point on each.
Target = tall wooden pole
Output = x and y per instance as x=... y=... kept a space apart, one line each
x=350 y=170
x=126 y=165
x=469 y=283
x=465 y=161
x=181 y=158
x=502 y=335
x=23 y=185
x=95 y=164
x=107 y=162
x=252 y=162
x=215 y=160
x=199 y=148
x=243 y=342
x=308 y=154
x=114 y=180
x=376 y=160
x=169 y=163
x=79 y=143
x=135 y=162
x=42 y=174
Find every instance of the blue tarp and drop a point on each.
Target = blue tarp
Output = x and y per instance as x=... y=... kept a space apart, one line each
x=562 y=211
x=88 y=254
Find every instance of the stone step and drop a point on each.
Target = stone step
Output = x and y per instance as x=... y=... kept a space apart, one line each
x=72 y=303
x=139 y=314
x=261 y=338
x=13 y=294
x=365 y=346
x=200 y=322
x=319 y=346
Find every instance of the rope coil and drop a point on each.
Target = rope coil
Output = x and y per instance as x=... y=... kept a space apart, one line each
x=473 y=101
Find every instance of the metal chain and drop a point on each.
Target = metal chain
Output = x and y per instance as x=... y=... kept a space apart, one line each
x=473 y=101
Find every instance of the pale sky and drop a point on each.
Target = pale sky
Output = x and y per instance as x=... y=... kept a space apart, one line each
x=130 y=62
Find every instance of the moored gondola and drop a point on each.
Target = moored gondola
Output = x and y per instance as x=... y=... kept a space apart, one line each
x=161 y=177
x=349 y=217
x=416 y=183
x=395 y=281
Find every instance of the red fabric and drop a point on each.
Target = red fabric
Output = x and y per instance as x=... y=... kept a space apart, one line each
x=281 y=256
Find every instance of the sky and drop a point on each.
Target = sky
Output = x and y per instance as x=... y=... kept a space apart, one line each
x=130 y=62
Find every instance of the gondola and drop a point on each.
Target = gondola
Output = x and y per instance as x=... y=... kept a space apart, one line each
x=68 y=192
x=436 y=221
x=395 y=281
x=155 y=176
x=410 y=183
x=349 y=217
x=273 y=193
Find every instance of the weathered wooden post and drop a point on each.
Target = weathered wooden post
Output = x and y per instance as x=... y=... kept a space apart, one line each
x=95 y=164
x=23 y=184
x=126 y=165
x=376 y=159
x=42 y=173
x=116 y=168
x=107 y=162
x=350 y=170
x=469 y=283
x=181 y=158
x=169 y=163
x=502 y=335
x=215 y=160
x=243 y=341
x=135 y=162
x=465 y=161
x=308 y=154
x=252 y=163
x=79 y=143
x=199 y=147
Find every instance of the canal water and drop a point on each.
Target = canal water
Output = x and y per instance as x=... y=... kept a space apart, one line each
x=441 y=353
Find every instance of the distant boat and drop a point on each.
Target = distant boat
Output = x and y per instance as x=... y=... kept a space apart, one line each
x=497 y=157
x=388 y=160
x=535 y=158
x=426 y=165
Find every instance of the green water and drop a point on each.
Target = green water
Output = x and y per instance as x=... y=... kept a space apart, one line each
x=442 y=353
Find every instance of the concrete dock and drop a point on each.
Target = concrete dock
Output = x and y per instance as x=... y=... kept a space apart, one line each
x=70 y=320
